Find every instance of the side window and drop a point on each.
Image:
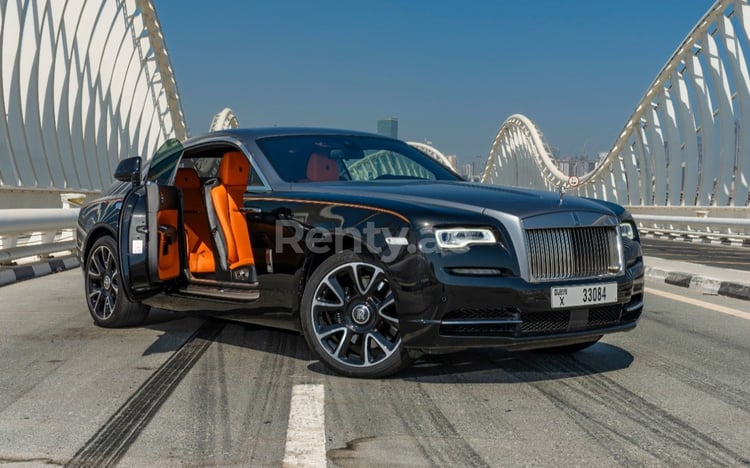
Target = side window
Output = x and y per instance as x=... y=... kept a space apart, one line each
x=385 y=165
x=164 y=161
x=254 y=181
x=206 y=162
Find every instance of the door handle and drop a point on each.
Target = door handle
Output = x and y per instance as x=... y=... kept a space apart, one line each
x=251 y=209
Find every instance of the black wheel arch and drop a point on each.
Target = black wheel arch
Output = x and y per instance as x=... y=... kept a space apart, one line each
x=95 y=234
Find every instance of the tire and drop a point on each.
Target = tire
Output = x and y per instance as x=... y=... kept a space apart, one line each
x=106 y=301
x=571 y=348
x=348 y=317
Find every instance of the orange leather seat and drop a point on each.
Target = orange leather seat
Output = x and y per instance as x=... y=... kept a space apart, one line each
x=321 y=168
x=227 y=201
x=195 y=221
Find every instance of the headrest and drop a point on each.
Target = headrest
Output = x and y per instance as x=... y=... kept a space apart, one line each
x=234 y=169
x=187 y=178
x=321 y=168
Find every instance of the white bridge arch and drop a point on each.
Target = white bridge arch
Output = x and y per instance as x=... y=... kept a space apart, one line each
x=686 y=144
x=520 y=156
x=83 y=84
x=431 y=151
x=224 y=120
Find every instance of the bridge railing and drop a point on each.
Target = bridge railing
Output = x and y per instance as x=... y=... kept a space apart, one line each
x=41 y=232
x=722 y=223
x=36 y=232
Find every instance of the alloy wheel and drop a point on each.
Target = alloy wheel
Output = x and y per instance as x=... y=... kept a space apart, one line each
x=354 y=315
x=102 y=282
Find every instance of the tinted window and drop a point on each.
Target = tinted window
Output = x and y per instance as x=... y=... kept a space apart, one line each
x=313 y=158
x=164 y=162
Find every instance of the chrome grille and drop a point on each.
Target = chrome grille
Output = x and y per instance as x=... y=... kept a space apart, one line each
x=563 y=253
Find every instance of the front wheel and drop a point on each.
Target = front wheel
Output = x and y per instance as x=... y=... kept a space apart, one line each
x=349 y=318
x=105 y=298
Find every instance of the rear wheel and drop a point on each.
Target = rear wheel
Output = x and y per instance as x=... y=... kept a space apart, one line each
x=105 y=298
x=349 y=318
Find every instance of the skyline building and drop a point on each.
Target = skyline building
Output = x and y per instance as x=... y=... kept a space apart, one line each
x=388 y=127
x=453 y=159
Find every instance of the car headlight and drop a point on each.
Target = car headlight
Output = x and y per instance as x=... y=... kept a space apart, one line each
x=627 y=230
x=461 y=238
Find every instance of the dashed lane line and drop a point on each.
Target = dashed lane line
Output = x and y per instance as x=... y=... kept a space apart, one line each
x=699 y=303
x=306 y=434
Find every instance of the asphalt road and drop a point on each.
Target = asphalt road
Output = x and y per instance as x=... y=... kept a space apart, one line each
x=715 y=255
x=184 y=391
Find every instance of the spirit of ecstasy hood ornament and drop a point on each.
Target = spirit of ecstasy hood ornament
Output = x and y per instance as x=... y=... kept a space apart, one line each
x=562 y=193
x=573 y=182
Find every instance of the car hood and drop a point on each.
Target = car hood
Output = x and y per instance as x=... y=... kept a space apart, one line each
x=474 y=197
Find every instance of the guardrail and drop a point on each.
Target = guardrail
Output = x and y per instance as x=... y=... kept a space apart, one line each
x=41 y=232
x=36 y=232
x=696 y=226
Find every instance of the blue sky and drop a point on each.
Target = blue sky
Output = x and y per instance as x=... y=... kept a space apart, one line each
x=450 y=71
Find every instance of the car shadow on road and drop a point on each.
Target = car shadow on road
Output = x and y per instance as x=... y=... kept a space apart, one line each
x=483 y=365
x=497 y=366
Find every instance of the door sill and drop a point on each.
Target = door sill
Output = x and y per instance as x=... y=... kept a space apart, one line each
x=221 y=293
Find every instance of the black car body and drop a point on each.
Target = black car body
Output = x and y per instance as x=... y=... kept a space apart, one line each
x=367 y=246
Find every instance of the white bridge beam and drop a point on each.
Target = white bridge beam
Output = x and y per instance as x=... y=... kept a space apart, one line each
x=686 y=144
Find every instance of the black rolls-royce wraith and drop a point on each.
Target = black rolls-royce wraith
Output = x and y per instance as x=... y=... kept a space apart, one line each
x=367 y=246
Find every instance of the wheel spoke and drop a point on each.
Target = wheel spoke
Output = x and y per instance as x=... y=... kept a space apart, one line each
x=366 y=351
x=382 y=342
x=110 y=261
x=346 y=338
x=95 y=301
x=108 y=307
x=388 y=302
x=94 y=275
x=98 y=263
x=325 y=332
x=326 y=306
x=354 y=272
x=375 y=280
x=335 y=287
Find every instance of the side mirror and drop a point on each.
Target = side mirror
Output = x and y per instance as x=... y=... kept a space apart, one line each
x=129 y=170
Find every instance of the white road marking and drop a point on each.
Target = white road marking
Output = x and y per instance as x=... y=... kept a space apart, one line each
x=704 y=304
x=306 y=434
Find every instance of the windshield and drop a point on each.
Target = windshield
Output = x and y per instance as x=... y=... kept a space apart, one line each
x=325 y=158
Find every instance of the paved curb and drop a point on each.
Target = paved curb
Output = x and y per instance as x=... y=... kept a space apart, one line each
x=704 y=284
x=24 y=272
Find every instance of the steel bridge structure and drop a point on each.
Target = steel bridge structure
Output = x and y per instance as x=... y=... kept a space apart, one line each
x=83 y=84
x=685 y=150
x=86 y=83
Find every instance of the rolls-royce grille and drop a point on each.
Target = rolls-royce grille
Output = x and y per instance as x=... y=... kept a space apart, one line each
x=563 y=253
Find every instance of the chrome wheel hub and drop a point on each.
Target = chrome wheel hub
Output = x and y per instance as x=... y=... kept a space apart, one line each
x=361 y=314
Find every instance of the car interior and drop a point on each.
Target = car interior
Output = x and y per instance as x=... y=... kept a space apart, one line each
x=214 y=229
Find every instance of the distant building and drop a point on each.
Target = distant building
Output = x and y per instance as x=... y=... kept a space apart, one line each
x=388 y=127
x=453 y=159
x=468 y=171
x=579 y=165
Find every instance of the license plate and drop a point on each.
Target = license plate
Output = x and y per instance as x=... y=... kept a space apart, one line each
x=590 y=294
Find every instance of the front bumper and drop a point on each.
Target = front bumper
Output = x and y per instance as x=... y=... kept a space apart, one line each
x=508 y=312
